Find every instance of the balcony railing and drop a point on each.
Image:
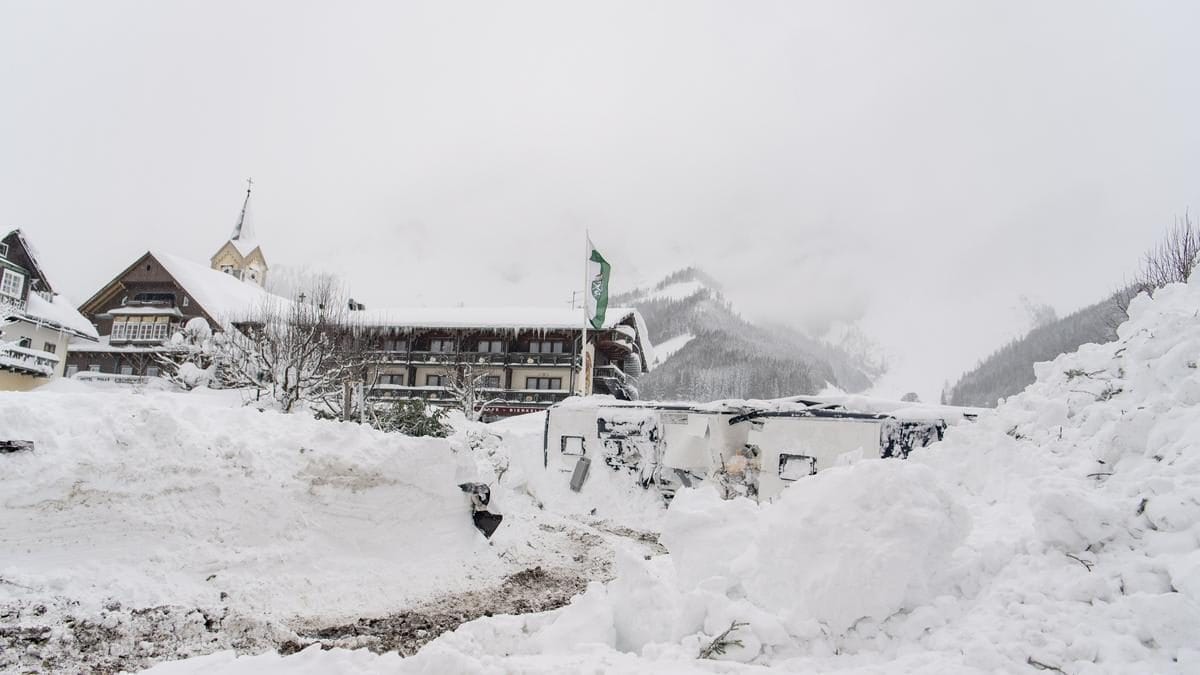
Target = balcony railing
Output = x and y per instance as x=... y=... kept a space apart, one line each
x=28 y=361
x=613 y=372
x=8 y=303
x=481 y=358
x=441 y=394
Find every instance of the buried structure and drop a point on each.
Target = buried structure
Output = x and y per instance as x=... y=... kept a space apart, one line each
x=747 y=448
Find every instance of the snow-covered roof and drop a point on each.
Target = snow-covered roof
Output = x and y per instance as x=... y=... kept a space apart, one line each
x=913 y=410
x=142 y=311
x=244 y=246
x=60 y=313
x=505 y=318
x=222 y=296
x=500 y=318
x=34 y=258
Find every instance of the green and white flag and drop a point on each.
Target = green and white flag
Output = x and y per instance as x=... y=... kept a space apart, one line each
x=595 y=301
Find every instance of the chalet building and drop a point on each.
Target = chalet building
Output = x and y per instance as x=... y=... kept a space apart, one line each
x=525 y=358
x=36 y=324
x=140 y=309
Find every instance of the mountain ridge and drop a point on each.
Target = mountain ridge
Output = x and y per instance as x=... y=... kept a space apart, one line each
x=712 y=352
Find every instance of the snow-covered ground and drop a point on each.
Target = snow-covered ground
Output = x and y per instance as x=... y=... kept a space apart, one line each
x=151 y=525
x=1060 y=533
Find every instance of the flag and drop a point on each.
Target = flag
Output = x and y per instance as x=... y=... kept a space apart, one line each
x=595 y=301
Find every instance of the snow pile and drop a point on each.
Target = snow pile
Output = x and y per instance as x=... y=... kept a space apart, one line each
x=165 y=500
x=1060 y=533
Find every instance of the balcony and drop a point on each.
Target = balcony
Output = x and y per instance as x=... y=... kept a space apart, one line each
x=392 y=392
x=611 y=372
x=417 y=358
x=27 y=361
x=8 y=303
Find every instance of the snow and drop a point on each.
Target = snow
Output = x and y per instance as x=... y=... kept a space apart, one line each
x=173 y=499
x=1060 y=533
x=504 y=318
x=668 y=348
x=511 y=318
x=104 y=345
x=678 y=290
x=244 y=246
x=222 y=296
x=911 y=410
x=60 y=313
x=146 y=311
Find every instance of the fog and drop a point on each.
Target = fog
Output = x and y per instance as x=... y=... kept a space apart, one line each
x=919 y=169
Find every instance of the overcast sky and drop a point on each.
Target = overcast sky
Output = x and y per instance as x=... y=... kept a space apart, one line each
x=914 y=166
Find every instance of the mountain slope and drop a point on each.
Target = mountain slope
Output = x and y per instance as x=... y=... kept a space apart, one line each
x=1010 y=369
x=711 y=352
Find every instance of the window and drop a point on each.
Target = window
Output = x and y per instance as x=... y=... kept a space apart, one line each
x=3 y=250
x=185 y=301
x=795 y=467
x=151 y=371
x=139 y=331
x=543 y=383
x=491 y=346
x=546 y=347
x=71 y=370
x=391 y=378
x=164 y=298
x=50 y=347
x=126 y=370
x=11 y=284
x=442 y=346
x=489 y=382
x=94 y=368
x=572 y=445
x=25 y=342
x=435 y=380
x=394 y=345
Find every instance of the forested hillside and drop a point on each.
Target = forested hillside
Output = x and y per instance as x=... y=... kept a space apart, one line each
x=717 y=354
x=1010 y=369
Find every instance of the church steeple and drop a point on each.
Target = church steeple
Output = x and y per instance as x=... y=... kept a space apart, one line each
x=241 y=256
x=244 y=230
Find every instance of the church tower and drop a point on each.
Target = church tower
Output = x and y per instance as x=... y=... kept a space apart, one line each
x=241 y=256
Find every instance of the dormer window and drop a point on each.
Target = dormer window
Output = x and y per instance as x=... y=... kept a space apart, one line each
x=11 y=284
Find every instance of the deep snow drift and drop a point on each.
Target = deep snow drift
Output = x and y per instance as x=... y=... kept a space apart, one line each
x=150 y=525
x=1060 y=533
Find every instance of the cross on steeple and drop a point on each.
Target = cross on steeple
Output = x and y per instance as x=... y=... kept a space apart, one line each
x=242 y=229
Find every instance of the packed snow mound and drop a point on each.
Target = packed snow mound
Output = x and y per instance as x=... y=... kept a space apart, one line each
x=1060 y=533
x=162 y=499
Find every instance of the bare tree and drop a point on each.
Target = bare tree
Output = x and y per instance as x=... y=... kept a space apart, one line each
x=307 y=350
x=467 y=385
x=1172 y=260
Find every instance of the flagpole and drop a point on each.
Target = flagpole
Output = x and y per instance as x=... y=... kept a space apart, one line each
x=583 y=364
